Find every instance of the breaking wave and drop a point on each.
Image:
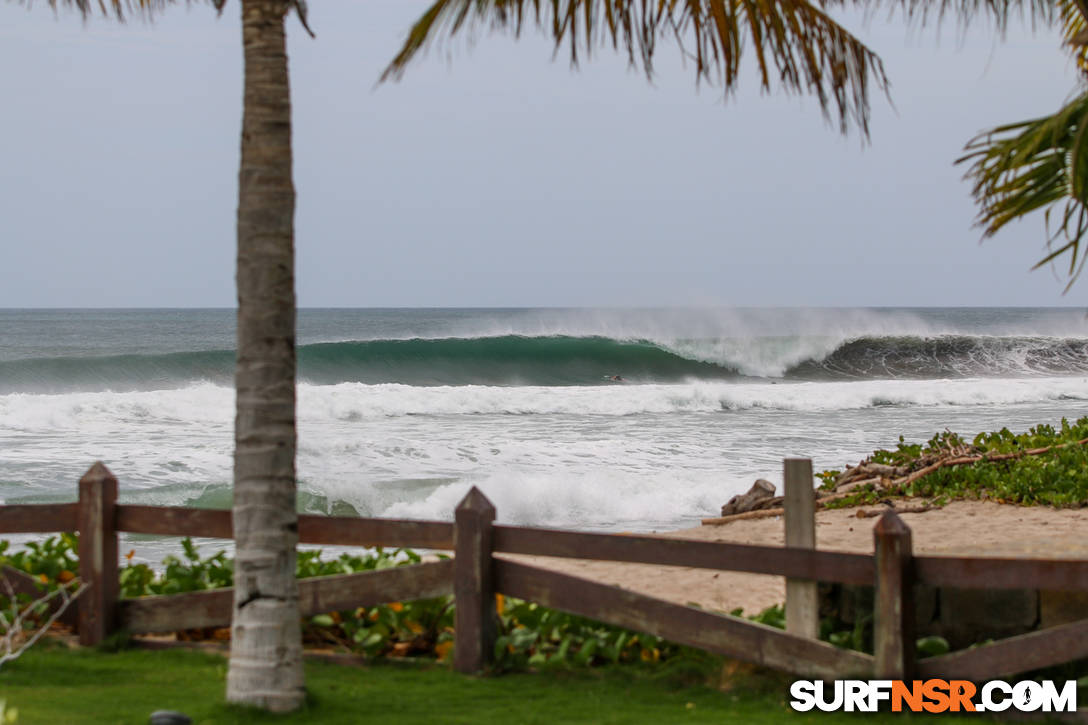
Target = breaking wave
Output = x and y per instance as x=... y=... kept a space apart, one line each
x=559 y=360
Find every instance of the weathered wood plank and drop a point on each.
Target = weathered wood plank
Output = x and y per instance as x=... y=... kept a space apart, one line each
x=366 y=589
x=893 y=623
x=1011 y=656
x=353 y=531
x=1002 y=573
x=802 y=595
x=473 y=584
x=175 y=521
x=212 y=608
x=832 y=566
x=725 y=635
x=169 y=613
x=331 y=530
x=38 y=518
x=98 y=566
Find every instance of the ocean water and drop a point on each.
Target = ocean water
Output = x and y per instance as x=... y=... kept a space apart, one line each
x=402 y=410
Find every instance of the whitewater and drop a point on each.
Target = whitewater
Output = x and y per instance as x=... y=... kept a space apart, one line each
x=401 y=411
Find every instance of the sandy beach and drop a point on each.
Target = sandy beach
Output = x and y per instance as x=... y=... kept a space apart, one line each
x=963 y=527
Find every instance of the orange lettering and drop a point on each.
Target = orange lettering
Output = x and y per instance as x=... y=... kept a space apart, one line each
x=937 y=691
x=961 y=692
x=912 y=695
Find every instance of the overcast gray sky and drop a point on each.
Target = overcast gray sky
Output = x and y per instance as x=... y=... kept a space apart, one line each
x=502 y=178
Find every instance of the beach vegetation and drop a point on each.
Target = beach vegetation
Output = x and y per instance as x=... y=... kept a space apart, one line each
x=55 y=559
x=1045 y=465
x=27 y=616
x=529 y=635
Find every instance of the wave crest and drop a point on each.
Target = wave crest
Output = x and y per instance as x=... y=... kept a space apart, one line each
x=514 y=360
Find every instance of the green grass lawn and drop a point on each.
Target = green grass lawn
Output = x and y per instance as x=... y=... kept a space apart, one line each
x=58 y=686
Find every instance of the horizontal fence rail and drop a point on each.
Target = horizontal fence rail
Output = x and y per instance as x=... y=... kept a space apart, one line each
x=317 y=595
x=173 y=521
x=813 y=564
x=351 y=531
x=819 y=565
x=1002 y=573
x=338 y=530
x=368 y=588
x=725 y=635
x=38 y=518
x=173 y=612
x=476 y=574
x=1006 y=657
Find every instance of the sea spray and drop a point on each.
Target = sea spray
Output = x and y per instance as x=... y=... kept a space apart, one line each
x=577 y=361
x=401 y=411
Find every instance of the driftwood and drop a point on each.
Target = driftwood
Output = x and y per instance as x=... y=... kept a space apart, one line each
x=760 y=491
x=773 y=508
x=852 y=485
x=884 y=477
x=868 y=471
x=761 y=514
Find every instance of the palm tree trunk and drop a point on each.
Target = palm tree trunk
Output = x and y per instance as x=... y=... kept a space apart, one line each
x=266 y=648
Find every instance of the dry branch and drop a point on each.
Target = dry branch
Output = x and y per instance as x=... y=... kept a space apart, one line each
x=821 y=500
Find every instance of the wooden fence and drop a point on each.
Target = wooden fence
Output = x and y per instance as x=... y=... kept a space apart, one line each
x=476 y=574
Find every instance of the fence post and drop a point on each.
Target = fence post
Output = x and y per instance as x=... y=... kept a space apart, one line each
x=802 y=595
x=473 y=584
x=893 y=605
x=97 y=554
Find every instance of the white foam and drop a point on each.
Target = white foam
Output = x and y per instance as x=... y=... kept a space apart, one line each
x=206 y=407
x=767 y=357
x=355 y=401
x=201 y=404
x=618 y=456
x=598 y=498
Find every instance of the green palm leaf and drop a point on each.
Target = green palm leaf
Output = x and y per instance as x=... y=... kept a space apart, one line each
x=1074 y=20
x=1038 y=164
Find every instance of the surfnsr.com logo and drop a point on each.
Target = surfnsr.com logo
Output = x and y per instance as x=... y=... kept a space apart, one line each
x=933 y=696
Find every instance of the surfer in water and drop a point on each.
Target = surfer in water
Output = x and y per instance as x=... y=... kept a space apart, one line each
x=617 y=379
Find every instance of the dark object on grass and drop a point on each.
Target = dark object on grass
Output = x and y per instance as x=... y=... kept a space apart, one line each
x=170 y=717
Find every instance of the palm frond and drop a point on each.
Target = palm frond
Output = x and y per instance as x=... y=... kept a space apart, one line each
x=148 y=9
x=119 y=9
x=1038 y=164
x=1074 y=20
x=1069 y=15
x=797 y=45
x=966 y=12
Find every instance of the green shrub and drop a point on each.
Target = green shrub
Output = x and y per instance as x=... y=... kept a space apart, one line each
x=1056 y=477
